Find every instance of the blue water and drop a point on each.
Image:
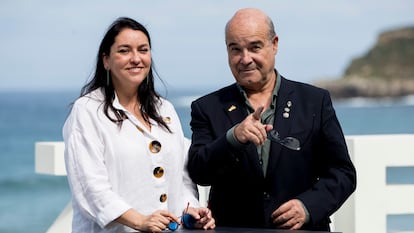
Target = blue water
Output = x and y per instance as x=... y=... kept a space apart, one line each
x=30 y=201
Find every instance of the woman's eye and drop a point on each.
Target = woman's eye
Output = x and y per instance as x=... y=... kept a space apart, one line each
x=123 y=51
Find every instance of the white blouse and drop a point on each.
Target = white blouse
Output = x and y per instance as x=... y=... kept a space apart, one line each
x=112 y=169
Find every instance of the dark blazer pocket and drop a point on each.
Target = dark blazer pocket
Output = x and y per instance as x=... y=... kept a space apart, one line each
x=303 y=134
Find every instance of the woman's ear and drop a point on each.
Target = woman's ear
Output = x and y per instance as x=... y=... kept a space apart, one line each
x=105 y=61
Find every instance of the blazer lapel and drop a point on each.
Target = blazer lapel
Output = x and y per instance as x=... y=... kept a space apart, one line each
x=233 y=107
x=284 y=115
x=236 y=111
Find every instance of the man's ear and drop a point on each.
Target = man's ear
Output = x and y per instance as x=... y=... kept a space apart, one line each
x=275 y=43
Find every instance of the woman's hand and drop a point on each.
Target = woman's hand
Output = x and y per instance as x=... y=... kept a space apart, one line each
x=155 y=222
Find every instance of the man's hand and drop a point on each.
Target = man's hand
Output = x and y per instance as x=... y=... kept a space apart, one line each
x=251 y=129
x=290 y=215
x=203 y=217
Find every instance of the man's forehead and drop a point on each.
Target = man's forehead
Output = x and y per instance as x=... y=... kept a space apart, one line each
x=246 y=40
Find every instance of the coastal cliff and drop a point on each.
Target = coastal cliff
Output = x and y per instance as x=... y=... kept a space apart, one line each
x=386 y=70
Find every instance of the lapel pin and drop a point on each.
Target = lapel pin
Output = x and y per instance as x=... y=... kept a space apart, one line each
x=231 y=108
x=287 y=109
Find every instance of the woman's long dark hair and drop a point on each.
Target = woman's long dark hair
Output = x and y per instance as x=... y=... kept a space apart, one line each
x=146 y=91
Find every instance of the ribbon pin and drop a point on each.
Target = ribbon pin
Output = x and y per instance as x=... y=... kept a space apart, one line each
x=231 y=108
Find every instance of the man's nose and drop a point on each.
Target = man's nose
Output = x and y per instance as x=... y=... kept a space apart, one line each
x=246 y=58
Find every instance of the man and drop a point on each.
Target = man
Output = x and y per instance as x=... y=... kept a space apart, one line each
x=256 y=182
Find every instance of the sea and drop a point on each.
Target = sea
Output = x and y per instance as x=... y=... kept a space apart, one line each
x=30 y=202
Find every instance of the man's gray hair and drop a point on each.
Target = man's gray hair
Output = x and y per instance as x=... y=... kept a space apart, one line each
x=271 y=27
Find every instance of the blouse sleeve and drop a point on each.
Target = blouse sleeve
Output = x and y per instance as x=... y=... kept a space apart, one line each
x=86 y=170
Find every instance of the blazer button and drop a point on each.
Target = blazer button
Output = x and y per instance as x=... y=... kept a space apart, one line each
x=266 y=195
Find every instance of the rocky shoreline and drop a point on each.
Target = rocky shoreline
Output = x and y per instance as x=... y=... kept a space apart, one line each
x=367 y=87
x=386 y=70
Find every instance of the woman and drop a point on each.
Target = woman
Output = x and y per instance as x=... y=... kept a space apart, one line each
x=125 y=151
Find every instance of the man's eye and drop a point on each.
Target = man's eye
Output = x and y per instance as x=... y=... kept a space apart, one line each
x=144 y=50
x=256 y=48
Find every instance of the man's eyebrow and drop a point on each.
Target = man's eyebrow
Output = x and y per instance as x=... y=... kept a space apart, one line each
x=257 y=42
x=231 y=44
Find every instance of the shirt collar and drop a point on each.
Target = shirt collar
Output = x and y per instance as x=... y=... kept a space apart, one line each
x=116 y=103
x=274 y=96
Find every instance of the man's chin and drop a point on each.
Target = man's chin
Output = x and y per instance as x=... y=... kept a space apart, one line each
x=247 y=79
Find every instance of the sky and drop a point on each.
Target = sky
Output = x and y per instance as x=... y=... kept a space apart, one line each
x=52 y=44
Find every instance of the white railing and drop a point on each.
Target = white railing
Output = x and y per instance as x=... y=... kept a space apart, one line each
x=365 y=211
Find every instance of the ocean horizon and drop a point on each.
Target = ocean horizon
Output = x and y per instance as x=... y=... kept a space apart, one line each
x=30 y=201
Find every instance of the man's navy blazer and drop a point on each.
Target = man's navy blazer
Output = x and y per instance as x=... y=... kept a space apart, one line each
x=320 y=174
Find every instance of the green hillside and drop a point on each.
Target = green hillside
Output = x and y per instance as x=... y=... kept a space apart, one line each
x=386 y=70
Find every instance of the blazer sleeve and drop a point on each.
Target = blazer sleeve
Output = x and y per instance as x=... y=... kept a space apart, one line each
x=210 y=154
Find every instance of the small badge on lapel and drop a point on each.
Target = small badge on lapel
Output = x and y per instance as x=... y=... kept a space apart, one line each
x=231 y=108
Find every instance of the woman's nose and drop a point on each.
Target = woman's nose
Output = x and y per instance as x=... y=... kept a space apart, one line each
x=135 y=58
